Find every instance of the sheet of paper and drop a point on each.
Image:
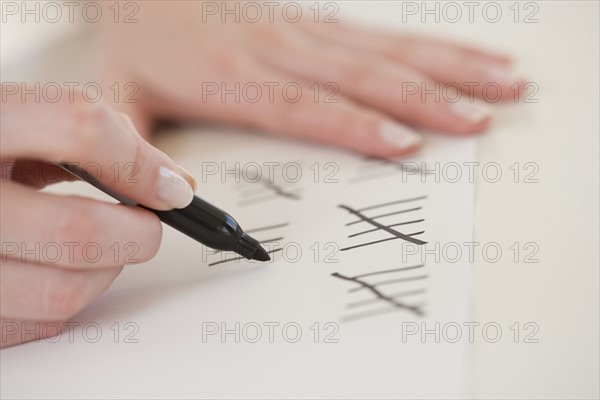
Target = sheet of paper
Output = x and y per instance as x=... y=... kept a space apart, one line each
x=362 y=265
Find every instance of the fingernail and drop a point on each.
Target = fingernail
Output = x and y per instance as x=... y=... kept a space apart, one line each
x=398 y=136
x=473 y=112
x=188 y=177
x=173 y=189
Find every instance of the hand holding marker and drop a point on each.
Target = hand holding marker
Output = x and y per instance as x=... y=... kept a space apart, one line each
x=200 y=220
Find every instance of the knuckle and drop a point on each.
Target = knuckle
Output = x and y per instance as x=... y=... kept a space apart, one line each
x=228 y=63
x=83 y=132
x=65 y=295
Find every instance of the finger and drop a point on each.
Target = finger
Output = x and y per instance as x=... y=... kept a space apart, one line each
x=42 y=293
x=380 y=84
x=74 y=232
x=128 y=123
x=20 y=331
x=480 y=73
x=94 y=138
x=270 y=104
x=332 y=118
x=36 y=174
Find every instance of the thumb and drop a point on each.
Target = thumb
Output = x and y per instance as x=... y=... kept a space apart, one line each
x=100 y=142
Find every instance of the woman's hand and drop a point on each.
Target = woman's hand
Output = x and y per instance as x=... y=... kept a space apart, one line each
x=59 y=253
x=360 y=89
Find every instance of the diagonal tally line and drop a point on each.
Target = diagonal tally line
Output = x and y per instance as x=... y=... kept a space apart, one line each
x=372 y=313
x=382 y=227
x=415 y=309
x=398 y=280
x=389 y=226
x=395 y=295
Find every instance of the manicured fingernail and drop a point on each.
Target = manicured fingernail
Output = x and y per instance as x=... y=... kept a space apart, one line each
x=188 y=177
x=398 y=136
x=173 y=189
x=473 y=112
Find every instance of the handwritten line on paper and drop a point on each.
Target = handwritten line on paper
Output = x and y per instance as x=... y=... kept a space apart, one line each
x=262 y=241
x=277 y=193
x=264 y=228
x=408 y=279
x=254 y=230
x=385 y=227
x=387 y=271
x=379 y=241
x=391 y=203
x=239 y=258
x=389 y=226
x=382 y=164
x=391 y=300
x=267 y=191
x=394 y=295
x=384 y=215
x=372 y=313
x=381 y=226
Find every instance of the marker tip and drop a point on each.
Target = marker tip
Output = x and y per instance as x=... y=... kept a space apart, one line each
x=260 y=254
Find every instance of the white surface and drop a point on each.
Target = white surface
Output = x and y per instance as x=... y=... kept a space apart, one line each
x=560 y=214
x=176 y=298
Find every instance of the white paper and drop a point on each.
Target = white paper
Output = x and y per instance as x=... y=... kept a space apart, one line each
x=170 y=304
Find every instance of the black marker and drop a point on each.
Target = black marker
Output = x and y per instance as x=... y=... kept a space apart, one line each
x=200 y=220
